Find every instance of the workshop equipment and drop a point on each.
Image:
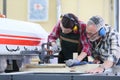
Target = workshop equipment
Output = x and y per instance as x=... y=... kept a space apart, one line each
x=44 y=55
x=19 y=41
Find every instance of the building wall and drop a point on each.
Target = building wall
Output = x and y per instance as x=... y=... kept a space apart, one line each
x=84 y=9
x=1 y=6
x=17 y=9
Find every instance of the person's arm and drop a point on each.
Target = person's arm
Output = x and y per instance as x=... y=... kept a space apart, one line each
x=114 y=49
x=101 y=68
x=106 y=65
x=85 y=51
x=113 y=55
x=81 y=56
x=54 y=34
x=85 y=43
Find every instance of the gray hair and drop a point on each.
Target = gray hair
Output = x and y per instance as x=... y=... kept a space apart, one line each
x=96 y=20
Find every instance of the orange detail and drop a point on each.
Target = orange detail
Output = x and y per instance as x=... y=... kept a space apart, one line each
x=19 y=42
x=22 y=40
x=2 y=16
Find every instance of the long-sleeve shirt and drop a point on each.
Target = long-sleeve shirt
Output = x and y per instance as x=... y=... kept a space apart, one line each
x=55 y=34
x=109 y=46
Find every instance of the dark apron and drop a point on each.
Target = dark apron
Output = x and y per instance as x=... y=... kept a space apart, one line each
x=69 y=45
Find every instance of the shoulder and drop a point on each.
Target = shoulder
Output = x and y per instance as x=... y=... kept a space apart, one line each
x=82 y=26
x=57 y=26
x=111 y=30
x=112 y=33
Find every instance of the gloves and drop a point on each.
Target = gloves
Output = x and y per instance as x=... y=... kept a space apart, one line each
x=74 y=62
x=55 y=48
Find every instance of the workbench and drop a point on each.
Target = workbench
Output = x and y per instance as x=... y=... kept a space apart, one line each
x=59 y=72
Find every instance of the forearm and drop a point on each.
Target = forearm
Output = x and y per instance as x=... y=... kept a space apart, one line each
x=82 y=56
x=107 y=64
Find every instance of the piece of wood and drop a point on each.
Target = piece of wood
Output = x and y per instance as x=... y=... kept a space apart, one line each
x=45 y=66
x=75 y=55
x=58 y=68
x=84 y=68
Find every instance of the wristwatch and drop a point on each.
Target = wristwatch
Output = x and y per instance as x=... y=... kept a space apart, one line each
x=102 y=66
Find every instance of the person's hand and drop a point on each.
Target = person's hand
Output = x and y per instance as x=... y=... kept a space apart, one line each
x=75 y=62
x=96 y=70
x=72 y=62
x=55 y=48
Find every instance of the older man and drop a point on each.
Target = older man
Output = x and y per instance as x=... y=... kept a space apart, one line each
x=105 y=44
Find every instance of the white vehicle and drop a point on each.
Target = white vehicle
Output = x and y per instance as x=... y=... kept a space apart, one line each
x=17 y=36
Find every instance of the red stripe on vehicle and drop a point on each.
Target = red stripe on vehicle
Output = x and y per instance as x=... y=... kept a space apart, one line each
x=19 y=42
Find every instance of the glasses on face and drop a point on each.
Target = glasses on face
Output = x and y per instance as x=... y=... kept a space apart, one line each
x=90 y=34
